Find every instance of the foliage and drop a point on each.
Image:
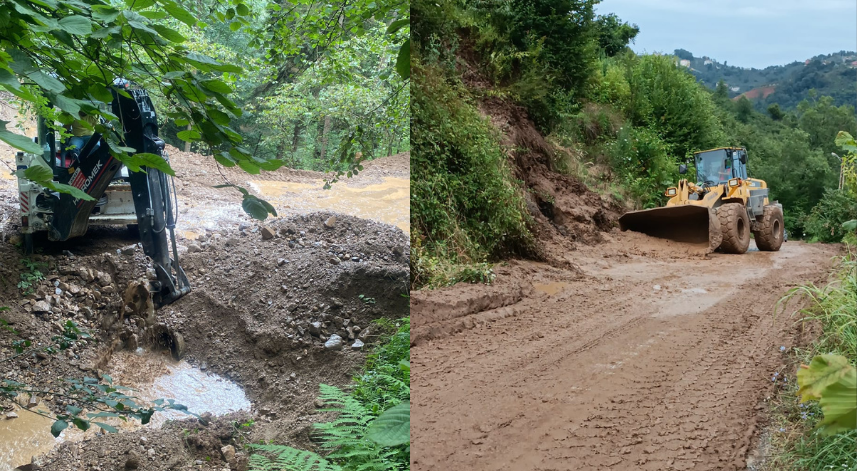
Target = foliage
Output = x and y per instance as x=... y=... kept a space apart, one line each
x=832 y=381
x=614 y=34
x=71 y=52
x=800 y=443
x=371 y=430
x=644 y=164
x=30 y=277
x=826 y=221
x=463 y=200
x=87 y=399
x=668 y=100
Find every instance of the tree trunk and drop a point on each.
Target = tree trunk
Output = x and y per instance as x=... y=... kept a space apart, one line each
x=187 y=144
x=296 y=137
x=325 y=131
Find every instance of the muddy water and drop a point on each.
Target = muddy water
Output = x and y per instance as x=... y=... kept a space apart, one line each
x=550 y=288
x=152 y=376
x=27 y=436
x=156 y=376
x=387 y=201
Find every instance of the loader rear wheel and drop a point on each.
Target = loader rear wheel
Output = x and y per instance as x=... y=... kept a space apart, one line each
x=735 y=226
x=769 y=237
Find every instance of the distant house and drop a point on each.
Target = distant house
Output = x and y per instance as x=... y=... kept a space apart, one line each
x=734 y=89
x=684 y=63
x=854 y=64
x=806 y=62
x=707 y=62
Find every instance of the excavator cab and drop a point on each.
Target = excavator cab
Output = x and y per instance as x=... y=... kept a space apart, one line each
x=145 y=200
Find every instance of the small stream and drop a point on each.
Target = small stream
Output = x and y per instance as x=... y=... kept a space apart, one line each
x=152 y=375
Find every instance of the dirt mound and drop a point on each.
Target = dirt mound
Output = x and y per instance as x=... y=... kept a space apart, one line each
x=262 y=310
x=565 y=210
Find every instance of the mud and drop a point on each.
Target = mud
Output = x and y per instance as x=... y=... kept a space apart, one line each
x=254 y=326
x=645 y=359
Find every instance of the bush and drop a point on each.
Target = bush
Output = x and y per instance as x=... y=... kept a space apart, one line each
x=642 y=159
x=465 y=206
x=825 y=222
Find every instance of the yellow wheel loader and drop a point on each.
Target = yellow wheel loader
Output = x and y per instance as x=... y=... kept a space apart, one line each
x=720 y=210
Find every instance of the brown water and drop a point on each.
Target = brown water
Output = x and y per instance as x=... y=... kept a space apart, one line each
x=388 y=201
x=550 y=288
x=153 y=376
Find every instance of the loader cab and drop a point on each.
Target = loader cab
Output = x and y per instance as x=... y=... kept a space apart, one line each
x=717 y=166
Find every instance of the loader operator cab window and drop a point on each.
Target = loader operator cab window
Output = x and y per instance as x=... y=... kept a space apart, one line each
x=713 y=167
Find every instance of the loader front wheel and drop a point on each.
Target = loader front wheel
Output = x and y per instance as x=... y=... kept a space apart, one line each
x=769 y=237
x=735 y=226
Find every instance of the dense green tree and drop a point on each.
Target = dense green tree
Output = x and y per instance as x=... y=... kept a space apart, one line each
x=683 y=54
x=614 y=34
x=722 y=91
x=775 y=112
x=744 y=109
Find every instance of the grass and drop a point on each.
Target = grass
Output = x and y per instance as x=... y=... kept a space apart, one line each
x=795 y=443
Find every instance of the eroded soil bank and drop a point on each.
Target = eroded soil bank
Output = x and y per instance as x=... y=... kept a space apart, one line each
x=260 y=313
x=648 y=355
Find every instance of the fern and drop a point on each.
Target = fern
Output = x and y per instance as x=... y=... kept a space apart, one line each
x=343 y=437
x=288 y=458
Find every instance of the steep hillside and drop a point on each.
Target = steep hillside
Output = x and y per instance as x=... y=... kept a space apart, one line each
x=829 y=74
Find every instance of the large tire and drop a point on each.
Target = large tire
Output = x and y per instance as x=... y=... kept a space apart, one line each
x=735 y=226
x=770 y=235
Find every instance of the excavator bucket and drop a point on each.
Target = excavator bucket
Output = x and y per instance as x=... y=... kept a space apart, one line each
x=687 y=223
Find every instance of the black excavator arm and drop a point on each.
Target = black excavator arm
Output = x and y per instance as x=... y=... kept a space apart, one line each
x=153 y=193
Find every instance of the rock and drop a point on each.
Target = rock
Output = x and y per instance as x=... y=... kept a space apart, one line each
x=41 y=307
x=193 y=248
x=127 y=251
x=357 y=345
x=11 y=415
x=330 y=223
x=334 y=261
x=133 y=461
x=228 y=453
x=314 y=328
x=281 y=262
x=267 y=233
x=151 y=453
x=33 y=401
x=232 y=242
x=333 y=343
x=132 y=343
x=397 y=251
x=104 y=279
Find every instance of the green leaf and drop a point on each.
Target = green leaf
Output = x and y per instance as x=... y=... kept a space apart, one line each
x=189 y=135
x=822 y=371
x=58 y=427
x=169 y=34
x=8 y=79
x=845 y=141
x=397 y=25
x=403 y=61
x=216 y=86
x=66 y=104
x=249 y=167
x=242 y=9
x=80 y=423
x=839 y=405
x=108 y=428
x=850 y=225
x=139 y=4
x=224 y=159
x=47 y=82
x=154 y=161
x=100 y=93
x=393 y=427
x=235 y=26
x=254 y=207
x=73 y=191
x=179 y=13
x=18 y=141
x=72 y=410
x=75 y=24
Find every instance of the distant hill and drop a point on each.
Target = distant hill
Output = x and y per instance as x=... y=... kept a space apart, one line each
x=830 y=74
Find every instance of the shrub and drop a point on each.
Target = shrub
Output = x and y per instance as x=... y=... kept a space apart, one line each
x=825 y=221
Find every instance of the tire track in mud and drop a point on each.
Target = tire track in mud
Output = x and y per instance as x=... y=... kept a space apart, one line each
x=611 y=374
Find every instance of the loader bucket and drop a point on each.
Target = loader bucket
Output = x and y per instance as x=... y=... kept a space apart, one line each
x=687 y=223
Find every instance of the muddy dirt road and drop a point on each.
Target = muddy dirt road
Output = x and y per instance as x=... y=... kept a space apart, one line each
x=650 y=359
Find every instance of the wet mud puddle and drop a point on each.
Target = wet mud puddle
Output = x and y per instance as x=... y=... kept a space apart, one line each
x=387 y=201
x=152 y=376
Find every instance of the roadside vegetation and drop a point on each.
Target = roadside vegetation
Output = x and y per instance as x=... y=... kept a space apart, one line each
x=371 y=430
x=814 y=415
x=601 y=106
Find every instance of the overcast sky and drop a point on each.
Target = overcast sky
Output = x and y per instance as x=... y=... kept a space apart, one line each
x=749 y=33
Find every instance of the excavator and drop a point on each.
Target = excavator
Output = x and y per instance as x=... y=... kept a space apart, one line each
x=145 y=199
x=720 y=210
